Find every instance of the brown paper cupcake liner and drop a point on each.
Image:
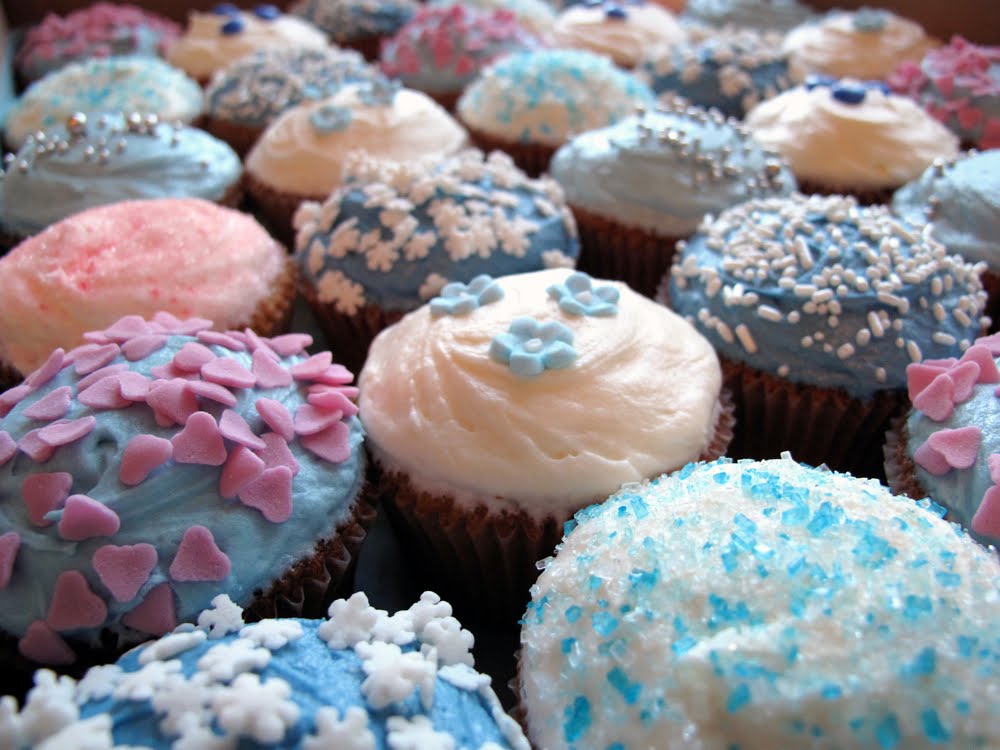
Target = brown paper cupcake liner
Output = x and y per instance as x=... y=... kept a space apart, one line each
x=369 y=47
x=866 y=197
x=533 y=158
x=991 y=283
x=610 y=250
x=239 y=137
x=275 y=208
x=447 y=99
x=900 y=471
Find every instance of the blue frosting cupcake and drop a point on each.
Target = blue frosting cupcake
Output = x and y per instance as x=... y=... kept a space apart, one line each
x=761 y=15
x=359 y=24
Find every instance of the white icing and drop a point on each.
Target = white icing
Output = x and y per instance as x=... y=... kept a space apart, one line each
x=624 y=40
x=255 y=709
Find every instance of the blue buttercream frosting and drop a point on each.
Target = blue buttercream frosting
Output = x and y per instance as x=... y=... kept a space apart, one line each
x=351 y=20
x=108 y=159
x=824 y=292
x=763 y=15
x=394 y=234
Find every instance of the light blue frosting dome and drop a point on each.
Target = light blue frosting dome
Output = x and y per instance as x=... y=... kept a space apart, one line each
x=763 y=15
x=106 y=159
x=352 y=20
x=821 y=291
x=664 y=169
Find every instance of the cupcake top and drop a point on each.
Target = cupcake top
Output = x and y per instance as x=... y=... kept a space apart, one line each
x=352 y=20
x=158 y=465
x=118 y=84
x=100 y=30
x=361 y=679
x=256 y=89
x=762 y=605
x=213 y=40
x=395 y=233
x=850 y=135
x=536 y=15
x=442 y=48
x=821 y=291
x=621 y=31
x=111 y=158
x=961 y=199
x=731 y=70
x=662 y=170
x=182 y=255
x=960 y=85
x=549 y=389
x=544 y=97
x=867 y=43
x=762 y=15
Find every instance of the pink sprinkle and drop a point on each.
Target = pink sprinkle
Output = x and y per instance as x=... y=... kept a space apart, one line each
x=959 y=447
x=51 y=406
x=986 y=520
x=290 y=344
x=192 y=356
x=8 y=447
x=134 y=386
x=10 y=399
x=254 y=342
x=173 y=399
x=74 y=605
x=32 y=445
x=931 y=460
x=991 y=342
x=169 y=372
x=42 y=644
x=10 y=543
x=993 y=462
x=335 y=375
x=213 y=392
x=49 y=370
x=142 y=346
x=270 y=374
x=277 y=453
x=276 y=416
x=919 y=375
x=271 y=494
x=313 y=367
x=199 y=558
x=333 y=399
x=200 y=442
x=234 y=427
x=124 y=570
x=104 y=394
x=98 y=375
x=221 y=339
x=310 y=419
x=143 y=454
x=85 y=518
x=946 y=363
x=937 y=399
x=988 y=372
x=126 y=328
x=94 y=337
x=191 y=326
x=43 y=493
x=228 y=372
x=332 y=444
x=66 y=431
x=92 y=357
x=156 y=614
x=241 y=467
x=969 y=117
x=964 y=376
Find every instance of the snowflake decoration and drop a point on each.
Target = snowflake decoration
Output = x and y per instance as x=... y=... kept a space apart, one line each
x=426 y=610
x=49 y=707
x=316 y=258
x=91 y=734
x=255 y=709
x=10 y=723
x=869 y=19
x=392 y=675
x=305 y=217
x=396 y=628
x=171 y=645
x=433 y=284
x=513 y=233
x=272 y=634
x=419 y=245
x=99 y=682
x=457 y=298
x=227 y=660
x=577 y=295
x=557 y=259
x=348 y=296
x=142 y=684
x=181 y=701
x=224 y=617
x=416 y=734
x=344 y=239
x=350 y=622
x=464 y=677
x=197 y=736
x=452 y=642
x=349 y=733
x=379 y=256
x=530 y=347
x=733 y=80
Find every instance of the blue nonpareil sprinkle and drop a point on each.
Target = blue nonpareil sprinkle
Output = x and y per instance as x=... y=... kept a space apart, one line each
x=630 y=691
x=576 y=719
x=567 y=645
x=762 y=571
x=683 y=645
x=887 y=732
x=720 y=477
x=643 y=580
x=923 y=665
x=603 y=623
x=679 y=625
x=573 y=614
x=915 y=606
x=730 y=559
x=595 y=582
x=934 y=730
x=738 y=698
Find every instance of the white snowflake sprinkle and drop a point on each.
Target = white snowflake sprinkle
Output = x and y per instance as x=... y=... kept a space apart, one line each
x=432 y=285
x=392 y=675
x=272 y=634
x=380 y=256
x=49 y=707
x=327 y=214
x=464 y=677
x=427 y=609
x=260 y=710
x=557 y=259
x=140 y=685
x=350 y=622
x=91 y=734
x=180 y=701
x=419 y=245
x=225 y=617
x=10 y=723
x=316 y=257
x=349 y=733
x=197 y=736
x=171 y=645
x=99 y=682
x=453 y=643
x=416 y=734
x=225 y=661
x=396 y=628
x=345 y=239
x=308 y=211
x=334 y=287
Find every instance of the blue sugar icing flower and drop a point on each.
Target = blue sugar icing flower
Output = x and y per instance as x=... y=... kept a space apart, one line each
x=578 y=296
x=530 y=347
x=379 y=93
x=869 y=19
x=457 y=298
x=330 y=118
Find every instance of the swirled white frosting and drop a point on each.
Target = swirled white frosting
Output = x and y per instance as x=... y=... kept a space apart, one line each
x=624 y=40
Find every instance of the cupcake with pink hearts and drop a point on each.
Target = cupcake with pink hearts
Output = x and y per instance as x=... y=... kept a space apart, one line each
x=161 y=464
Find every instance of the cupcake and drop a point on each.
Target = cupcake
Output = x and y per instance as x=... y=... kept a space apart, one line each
x=213 y=40
x=63 y=171
x=550 y=390
x=251 y=93
x=960 y=85
x=760 y=15
x=760 y=606
x=537 y=16
x=357 y=24
x=161 y=464
x=731 y=70
x=301 y=154
x=100 y=30
x=181 y=255
x=816 y=306
x=850 y=137
x=639 y=186
x=442 y=48
x=361 y=678
x=530 y=103
x=394 y=234
x=867 y=44
x=118 y=84
x=621 y=31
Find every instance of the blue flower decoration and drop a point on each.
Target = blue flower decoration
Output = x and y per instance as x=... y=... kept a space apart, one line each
x=232 y=26
x=379 y=93
x=578 y=296
x=529 y=347
x=266 y=12
x=615 y=13
x=869 y=19
x=847 y=91
x=457 y=298
x=330 y=119
x=226 y=9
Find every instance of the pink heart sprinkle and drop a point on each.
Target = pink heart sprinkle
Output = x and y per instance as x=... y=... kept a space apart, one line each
x=937 y=399
x=241 y=467
x=988 y=372
x=134 y=386
x=986 y=520
x=165 y=322
x=32 y=445
x=276 y=416
x=104 y=394
x=49 y=370
x=124 y=570
x=156 y=614
x=269 y=373
x=66 y=431
x=234 y=427
x=85 y=518
x=74 y=605
x=277 y=453
x=143 y=454
x=313 y=367
x=213 y=392
x=228 y=372
x=271 y=494
x=92 y=357
x=946 y=363
x=53 y=405
x=965 y=376
x=993 y=462
x=199 y=558
x=333 y=399
x=42 y=644
x=932 y=461
x=142 y=346
x=9 y=545
x=991 y=342
x=332 y=444
x=173 y=399
x=126 y=328
x=919 y=375
x=189 y=327
x=290 y=344
x=43 y=493
x=238 y=335
x=255 y=342
x=310 y=419
x=10 y=399
x=8 y=447
x=192 y=356
x=221 y=339
x=200 y=442
x=169 y=372
x=958 y=447
x=97 y=375
x=94 y=337
x=335 y=375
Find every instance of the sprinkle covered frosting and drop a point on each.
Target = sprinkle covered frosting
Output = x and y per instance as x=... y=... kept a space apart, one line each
x=352 y=20
x=821 y=291
x=757 y=606
x=159 y=463
x=760 y=15
x=360 y=679
x=394 y=234
x=536 y=15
